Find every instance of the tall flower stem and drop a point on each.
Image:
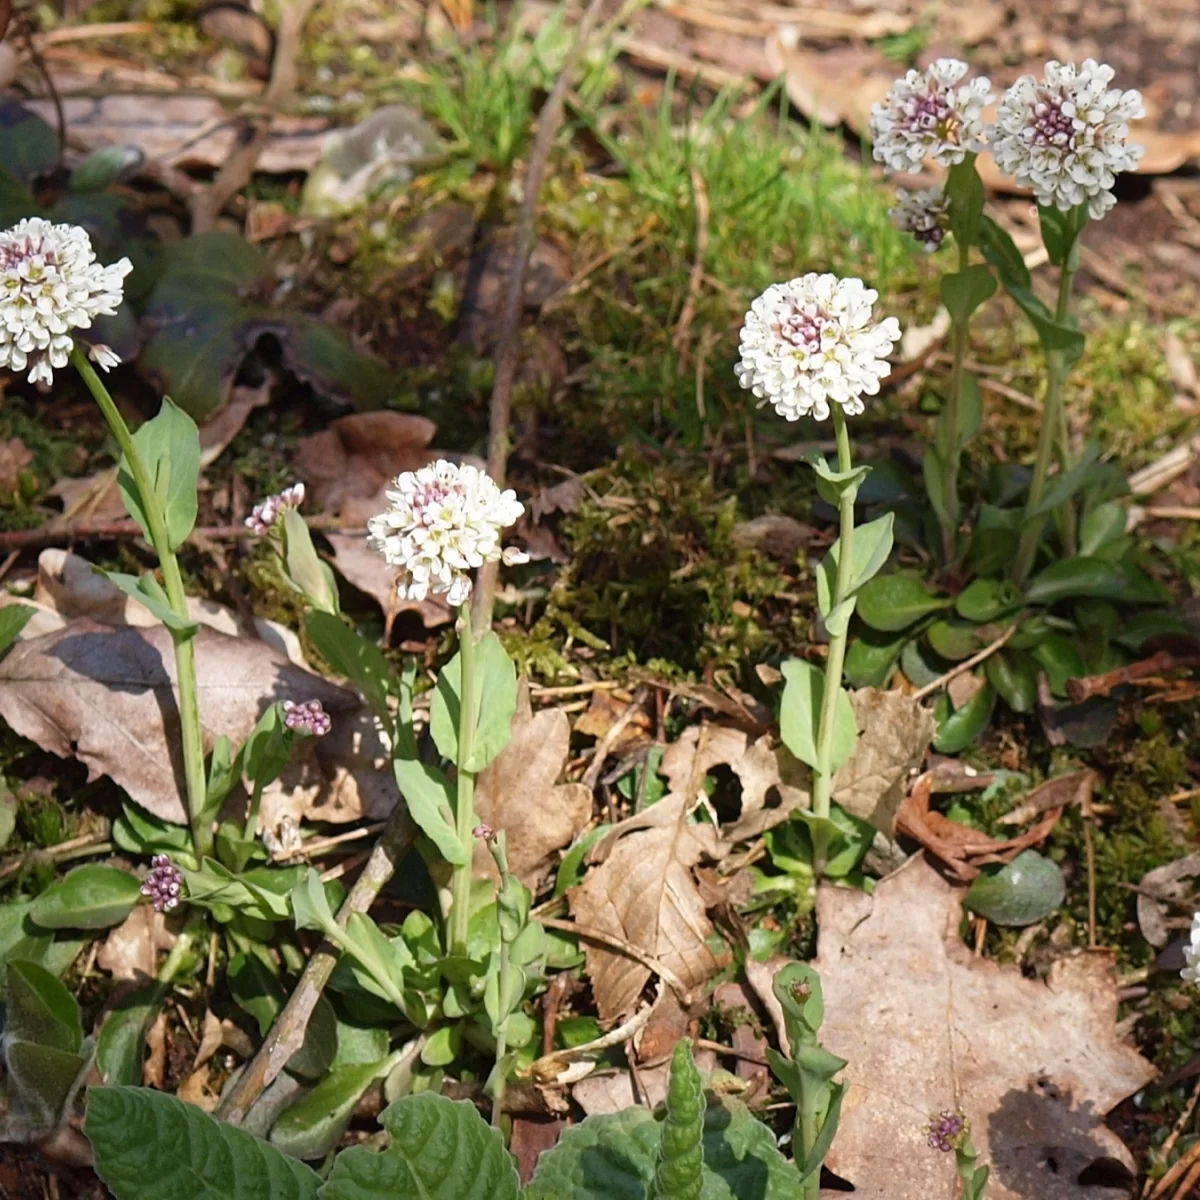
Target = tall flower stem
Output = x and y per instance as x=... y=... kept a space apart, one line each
x=823 y=775
x=185 y=650
x=953 y=427
x=1052 y=430
x=460 y=886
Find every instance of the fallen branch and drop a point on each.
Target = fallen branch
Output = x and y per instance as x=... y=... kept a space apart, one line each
x=507 y=342
x=287 y=1034
x=1088 y=686
x=966 y=665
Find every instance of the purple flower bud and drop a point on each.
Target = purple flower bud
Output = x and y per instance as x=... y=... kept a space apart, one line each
x=483 y=831
x=163 y=884
x=268 y=514
x=947 y=1131
x=307 y=717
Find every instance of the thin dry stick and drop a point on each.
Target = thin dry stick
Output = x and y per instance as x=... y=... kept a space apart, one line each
x=966 y=665
x=683 y=328
x=1193 y=1178
x=1085 y=807
x=546 y=1067
x=287 y=1034
x=238 y=169
x=621 y=946
x=1183 y=1165
x=1088 y=686
x=606 y=743
x=1181 y=1124
x=507 y=345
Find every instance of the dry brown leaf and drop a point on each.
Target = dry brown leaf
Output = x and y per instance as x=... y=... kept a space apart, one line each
x=195 y=1090
x=356 y=562
x=519 y=792
x=604 y=710
x=834 y=86
x=183 y=131
x=211 y=1039
x=90 y=497
x=925 y=1026
x=644 y=893
x=1159 y=888
x=775 y=535
x=15 y=456
x=130 y=951
x=154 y=1068
x=894 y=733
x=106 y=696
x=350 y=463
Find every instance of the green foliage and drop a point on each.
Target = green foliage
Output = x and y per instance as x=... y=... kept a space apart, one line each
x=495 y=680
x=800 y=715
x=169 y=446
x=440 y=1149
x=90 y=897
x=1022 y=892
x=148 y=1144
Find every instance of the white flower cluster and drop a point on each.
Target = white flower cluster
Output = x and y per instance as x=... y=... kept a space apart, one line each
x=445 y=521
x=810 y=342
x=51 y=284
x=1191 y=953
x=927 y=115
x=266 y=516
x=1065 y=137
x=926 y=215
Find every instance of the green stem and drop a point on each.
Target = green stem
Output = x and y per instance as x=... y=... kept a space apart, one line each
x=950 y=503
x=1052 y=429
x=460 y=887
x=823 y=775
x=251 y=830
x=501 y=1035
x=807 y=1127
x=185 y=650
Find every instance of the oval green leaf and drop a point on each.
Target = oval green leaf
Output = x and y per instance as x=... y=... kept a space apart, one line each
x=893 y=602
x=1059 y=657
x=1024 y=891
x=987 y=599
x=91 y=897
x=1074 y=577
x=1014 y=675
x=959 y=728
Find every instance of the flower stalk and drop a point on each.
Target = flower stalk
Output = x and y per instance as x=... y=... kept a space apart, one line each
x=464 y=812
x=953 y=426
x=183 y=640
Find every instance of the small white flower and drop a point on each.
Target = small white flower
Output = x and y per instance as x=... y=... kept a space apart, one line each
x=927 y=115
x=926 y=215
x=1065 y=137
x=267 y=514
x=445 y=521
x=105 y=357
x=50 y=285
x=1191 y=954
x=811 y=341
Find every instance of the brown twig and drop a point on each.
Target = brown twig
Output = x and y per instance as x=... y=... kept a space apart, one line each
x=1088 y=686
x=287 y=1034
x=966 y=665
x=238 y=168
x=683 y=328
x=1181 y=1124
x=592 y=775
x=1184 y=1165
x=507 y=342
x=612 y=942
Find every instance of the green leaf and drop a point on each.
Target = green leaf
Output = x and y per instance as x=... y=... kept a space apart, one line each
x=443 y=1047
x=1105 y=523
x=964 y=190
x=307 y=573
x=8 y=814
x=970 y=416
x=963 y=292
x=1014 y=676
x=310 y=908
x=322 y=1045
x=169 y=446
x=987 y=600
x=611 y=1157
x=1139 y=628
x=361 y=661
x=149 y=1145
x=679 y=1163
x=570 y=870
x=1024 y=891
x=41 y=1082
x=1073 y=577
x=91 y=897
x=872 y=544
x=429 y=797
x=495 y=683
x=833 y=485
x=1001 y=251
x=314 y=1126
x=871 y=658
x=13 y=619
x=991 y=551
x=894 y=602
x=41 y=1009
x=957 y=729
x=440 y=1150
x=1059 y=657
x=953 y=640
x=28 y=146
x=137 y=831
x=105 y=166
x=265 y=754
x=121 y=1046
x=255 y=989
x=148 y=592
x=320 y=355
x=1057 y=339
x=800 y=715
x=1061 y=230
